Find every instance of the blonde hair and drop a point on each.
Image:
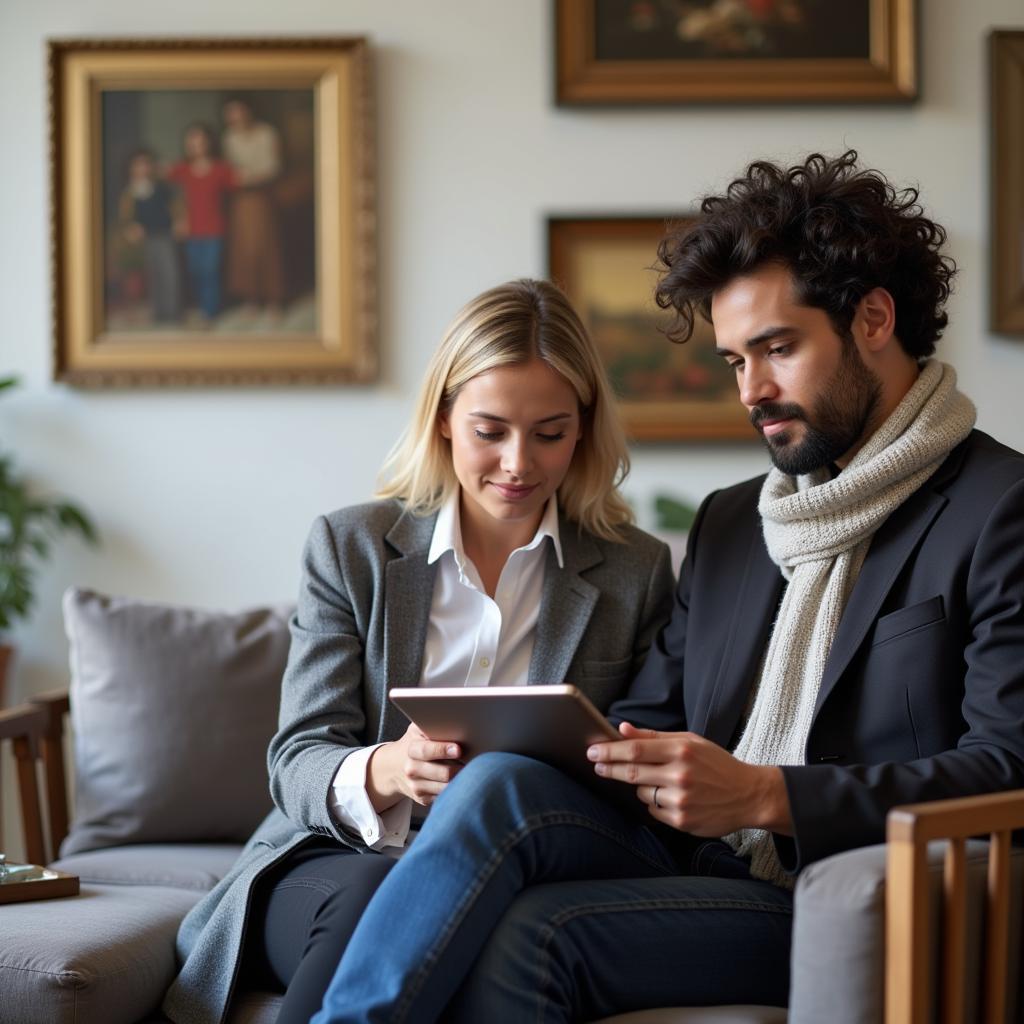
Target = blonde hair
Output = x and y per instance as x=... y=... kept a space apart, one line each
x=514 y=323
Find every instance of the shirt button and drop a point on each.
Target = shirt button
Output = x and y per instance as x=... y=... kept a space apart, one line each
x=484 y=662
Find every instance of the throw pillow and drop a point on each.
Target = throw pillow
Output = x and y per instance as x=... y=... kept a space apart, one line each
x=172 y=709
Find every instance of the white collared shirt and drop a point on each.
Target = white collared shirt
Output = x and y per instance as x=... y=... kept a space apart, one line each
x=472 y=640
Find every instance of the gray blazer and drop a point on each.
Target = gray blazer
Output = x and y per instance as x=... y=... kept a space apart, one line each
x=360 y=628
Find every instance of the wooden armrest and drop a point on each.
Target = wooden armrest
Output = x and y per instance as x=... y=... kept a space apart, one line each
x=957 y=819
x=25 y=721
x=56 y=701
x=909 y=830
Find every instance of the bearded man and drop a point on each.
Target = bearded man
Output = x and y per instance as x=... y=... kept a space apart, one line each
x=848 y=635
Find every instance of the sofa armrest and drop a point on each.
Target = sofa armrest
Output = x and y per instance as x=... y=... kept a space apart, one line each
x=837 y=963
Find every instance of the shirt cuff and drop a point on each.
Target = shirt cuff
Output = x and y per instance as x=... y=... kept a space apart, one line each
x=351 y=807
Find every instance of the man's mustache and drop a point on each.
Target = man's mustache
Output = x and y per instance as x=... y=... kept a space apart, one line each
x=770 y=411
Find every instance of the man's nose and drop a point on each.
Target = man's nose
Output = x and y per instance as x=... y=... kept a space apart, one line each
x=757 y=386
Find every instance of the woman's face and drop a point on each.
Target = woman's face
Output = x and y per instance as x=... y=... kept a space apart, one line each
x=196 y=143
x=513 y=431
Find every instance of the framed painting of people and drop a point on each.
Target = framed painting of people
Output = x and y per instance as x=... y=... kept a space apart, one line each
x=735 y=51
x=1006 y=60
x=213 y=211
x=666 y=391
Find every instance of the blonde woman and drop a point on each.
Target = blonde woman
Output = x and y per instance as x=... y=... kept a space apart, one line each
x=500 y=551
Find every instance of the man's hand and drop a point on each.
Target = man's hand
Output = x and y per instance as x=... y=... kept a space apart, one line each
x=414 y=766
x=695 y=785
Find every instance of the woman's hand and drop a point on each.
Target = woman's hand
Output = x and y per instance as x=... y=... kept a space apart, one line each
x=695 y=785
x=414 y=766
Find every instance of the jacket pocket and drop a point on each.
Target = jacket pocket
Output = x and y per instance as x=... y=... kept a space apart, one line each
x=906 y=620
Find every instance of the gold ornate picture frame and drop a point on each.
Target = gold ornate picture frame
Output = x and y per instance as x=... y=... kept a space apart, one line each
x=1006 y=59
x=666 y=391
x=213 y=211
x=698 y=51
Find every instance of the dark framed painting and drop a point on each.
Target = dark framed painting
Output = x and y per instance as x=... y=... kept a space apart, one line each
x=213 y=211
x=735 y=51
x=666 y=391
x=1006 y=59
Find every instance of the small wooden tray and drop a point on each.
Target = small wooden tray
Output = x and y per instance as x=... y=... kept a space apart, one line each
x=31 y=882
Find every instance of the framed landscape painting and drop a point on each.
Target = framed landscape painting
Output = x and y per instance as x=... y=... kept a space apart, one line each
x=1006 y=58
x=735 y=51
x=213 y=211
x=666 y=391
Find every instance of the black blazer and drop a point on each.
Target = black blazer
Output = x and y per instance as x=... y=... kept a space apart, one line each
x=923 y=691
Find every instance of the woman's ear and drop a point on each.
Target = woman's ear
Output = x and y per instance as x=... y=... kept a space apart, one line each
x=444 y=425
x=876 y=316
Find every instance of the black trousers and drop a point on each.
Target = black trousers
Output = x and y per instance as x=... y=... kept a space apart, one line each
x=303 y=914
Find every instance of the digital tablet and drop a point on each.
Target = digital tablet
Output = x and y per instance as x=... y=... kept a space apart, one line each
x=554 y=724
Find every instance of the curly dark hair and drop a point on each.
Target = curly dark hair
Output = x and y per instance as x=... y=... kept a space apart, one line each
x=839 y=229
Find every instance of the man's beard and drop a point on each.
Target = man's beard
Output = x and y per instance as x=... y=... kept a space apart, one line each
x=839 y=420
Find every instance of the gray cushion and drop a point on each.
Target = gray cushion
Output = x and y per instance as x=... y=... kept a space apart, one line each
x=103 y=957
x=172 y=710
x=198 y=866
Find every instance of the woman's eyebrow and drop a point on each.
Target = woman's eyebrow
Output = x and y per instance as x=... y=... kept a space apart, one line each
x=501 y=419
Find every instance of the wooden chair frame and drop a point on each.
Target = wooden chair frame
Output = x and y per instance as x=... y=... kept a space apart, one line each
x=36 y=732
x=908 y=985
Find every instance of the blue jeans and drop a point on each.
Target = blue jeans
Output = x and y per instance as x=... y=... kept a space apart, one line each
x=567 y=907
x=203 y=257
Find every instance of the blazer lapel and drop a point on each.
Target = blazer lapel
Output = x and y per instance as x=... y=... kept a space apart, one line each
x=746 y=641
x=890 y=548
x=567 y=602
x=408 y=588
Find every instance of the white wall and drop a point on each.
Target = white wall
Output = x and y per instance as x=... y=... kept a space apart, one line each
x=205 y=496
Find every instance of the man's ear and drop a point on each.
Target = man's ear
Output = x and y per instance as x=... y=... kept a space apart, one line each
x=876 y=318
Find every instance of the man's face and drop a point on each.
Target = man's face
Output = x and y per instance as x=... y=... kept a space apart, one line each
x=808 y=392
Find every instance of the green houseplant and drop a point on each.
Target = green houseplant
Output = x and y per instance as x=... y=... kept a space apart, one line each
x=28 y=526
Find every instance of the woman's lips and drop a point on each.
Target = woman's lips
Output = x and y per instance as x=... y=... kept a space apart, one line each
x=514 y=492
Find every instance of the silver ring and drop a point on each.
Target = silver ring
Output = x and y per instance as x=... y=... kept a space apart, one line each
x=654 y=796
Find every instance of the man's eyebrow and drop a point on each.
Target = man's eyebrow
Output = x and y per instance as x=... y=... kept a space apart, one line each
x=501 y=419
x=768 y=334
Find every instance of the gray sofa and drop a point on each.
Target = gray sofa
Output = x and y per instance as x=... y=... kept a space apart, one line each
x=171 y=710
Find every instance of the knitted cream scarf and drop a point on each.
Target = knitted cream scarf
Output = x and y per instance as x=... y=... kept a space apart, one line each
x=817 y=530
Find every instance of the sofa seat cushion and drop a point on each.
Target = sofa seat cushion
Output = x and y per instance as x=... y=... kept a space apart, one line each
x=105 y=956
x=197 y=866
